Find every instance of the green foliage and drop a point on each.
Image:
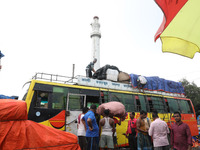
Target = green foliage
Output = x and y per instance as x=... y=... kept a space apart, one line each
x=192 y=91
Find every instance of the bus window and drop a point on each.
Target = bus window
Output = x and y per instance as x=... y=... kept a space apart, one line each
x=116 y=97
x=157 y=104
x=42 y=99
x=141 y=103
x=128 y=102
x=76 y=102
x=59 y=97
x=126 y=99
x=105 y=96
x=184 y=107
x=173 y=105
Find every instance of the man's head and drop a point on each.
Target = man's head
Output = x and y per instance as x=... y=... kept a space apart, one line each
x=93 y=107
x=143 y=114
x=106 y=112
x=95 y=60
x=132 y=115
x=155 y=114
x=85 y=110
x=177 y=116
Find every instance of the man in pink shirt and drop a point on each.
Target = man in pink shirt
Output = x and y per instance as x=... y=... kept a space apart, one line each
x=159 y=130
x=181 y=138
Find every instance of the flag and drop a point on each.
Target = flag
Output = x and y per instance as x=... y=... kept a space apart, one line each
x=1 y=55
x=180 y=29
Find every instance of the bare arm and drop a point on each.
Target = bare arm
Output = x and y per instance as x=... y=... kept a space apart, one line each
x=89 y=121
x=100 y=124
x=120 y=120
x=83 y=121
x=112 y=123
x=93 y=70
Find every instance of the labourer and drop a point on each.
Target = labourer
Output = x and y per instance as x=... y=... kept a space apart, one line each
x=90 y=68
x=141 y=81
x=107 y=126
x=143 y=139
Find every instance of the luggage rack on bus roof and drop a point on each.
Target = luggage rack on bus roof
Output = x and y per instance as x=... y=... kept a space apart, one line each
x=54 y=78
x=85 y=81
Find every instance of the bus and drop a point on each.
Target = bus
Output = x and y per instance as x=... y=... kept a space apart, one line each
x=56 y=101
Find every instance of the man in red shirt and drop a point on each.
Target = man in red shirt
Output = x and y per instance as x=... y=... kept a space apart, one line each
x=181 y=138
x=131 y=132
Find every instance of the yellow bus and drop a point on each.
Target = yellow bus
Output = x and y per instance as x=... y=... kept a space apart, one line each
x=56 y=101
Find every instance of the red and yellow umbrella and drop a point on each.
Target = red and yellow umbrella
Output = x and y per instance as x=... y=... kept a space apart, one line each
x=180 y=29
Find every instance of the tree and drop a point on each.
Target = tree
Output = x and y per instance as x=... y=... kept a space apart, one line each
x=192 y=91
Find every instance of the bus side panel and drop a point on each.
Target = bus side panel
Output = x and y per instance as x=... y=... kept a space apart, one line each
x=191 y=121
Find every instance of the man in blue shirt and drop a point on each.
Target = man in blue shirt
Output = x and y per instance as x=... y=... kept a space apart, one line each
x=92 y=129
x=90 y=68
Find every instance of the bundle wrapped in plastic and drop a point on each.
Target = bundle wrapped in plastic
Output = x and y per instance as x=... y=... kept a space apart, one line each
x=116 y=109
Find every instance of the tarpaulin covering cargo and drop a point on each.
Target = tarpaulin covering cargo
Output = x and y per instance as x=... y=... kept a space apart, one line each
x=159 y=84
x=116 y=108
x=16 y=132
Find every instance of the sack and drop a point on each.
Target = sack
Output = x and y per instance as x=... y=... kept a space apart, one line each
x=116 y=109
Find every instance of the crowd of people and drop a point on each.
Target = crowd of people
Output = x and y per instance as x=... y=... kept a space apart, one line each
x=142 y=134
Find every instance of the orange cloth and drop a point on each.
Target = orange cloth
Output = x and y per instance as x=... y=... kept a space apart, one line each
x=16 y=132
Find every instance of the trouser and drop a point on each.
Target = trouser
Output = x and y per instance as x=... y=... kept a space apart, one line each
x=82 y=142
x=92 y=143
x=162 y=148
x=88 y=72
x=132 y=141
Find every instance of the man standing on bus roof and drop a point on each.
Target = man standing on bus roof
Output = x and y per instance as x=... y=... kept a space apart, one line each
x=92 y=129
x=181 y=138
x=159 y=131
x=143 y=139
x=90 y=68
x=107 y=126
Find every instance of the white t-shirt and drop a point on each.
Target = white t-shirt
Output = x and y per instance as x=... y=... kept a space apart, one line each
x=81 y=128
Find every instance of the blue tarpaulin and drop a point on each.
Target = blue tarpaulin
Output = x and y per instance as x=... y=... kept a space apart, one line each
x=1 y=55
x=155 y=83
x=7 y=97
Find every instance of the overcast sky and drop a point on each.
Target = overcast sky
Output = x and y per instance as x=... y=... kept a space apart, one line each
x=50 y=35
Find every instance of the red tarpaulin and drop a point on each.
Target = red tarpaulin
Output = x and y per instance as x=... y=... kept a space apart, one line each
x=16 y=132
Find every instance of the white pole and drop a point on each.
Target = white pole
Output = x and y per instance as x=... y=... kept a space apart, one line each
x=96 y=35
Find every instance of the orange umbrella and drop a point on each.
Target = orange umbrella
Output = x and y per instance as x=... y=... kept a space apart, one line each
x=180 y=29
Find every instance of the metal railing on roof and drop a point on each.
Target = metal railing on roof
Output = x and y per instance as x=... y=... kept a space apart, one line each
x=54 y=78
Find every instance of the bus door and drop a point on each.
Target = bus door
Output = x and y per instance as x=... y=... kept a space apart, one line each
x=75 y=104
